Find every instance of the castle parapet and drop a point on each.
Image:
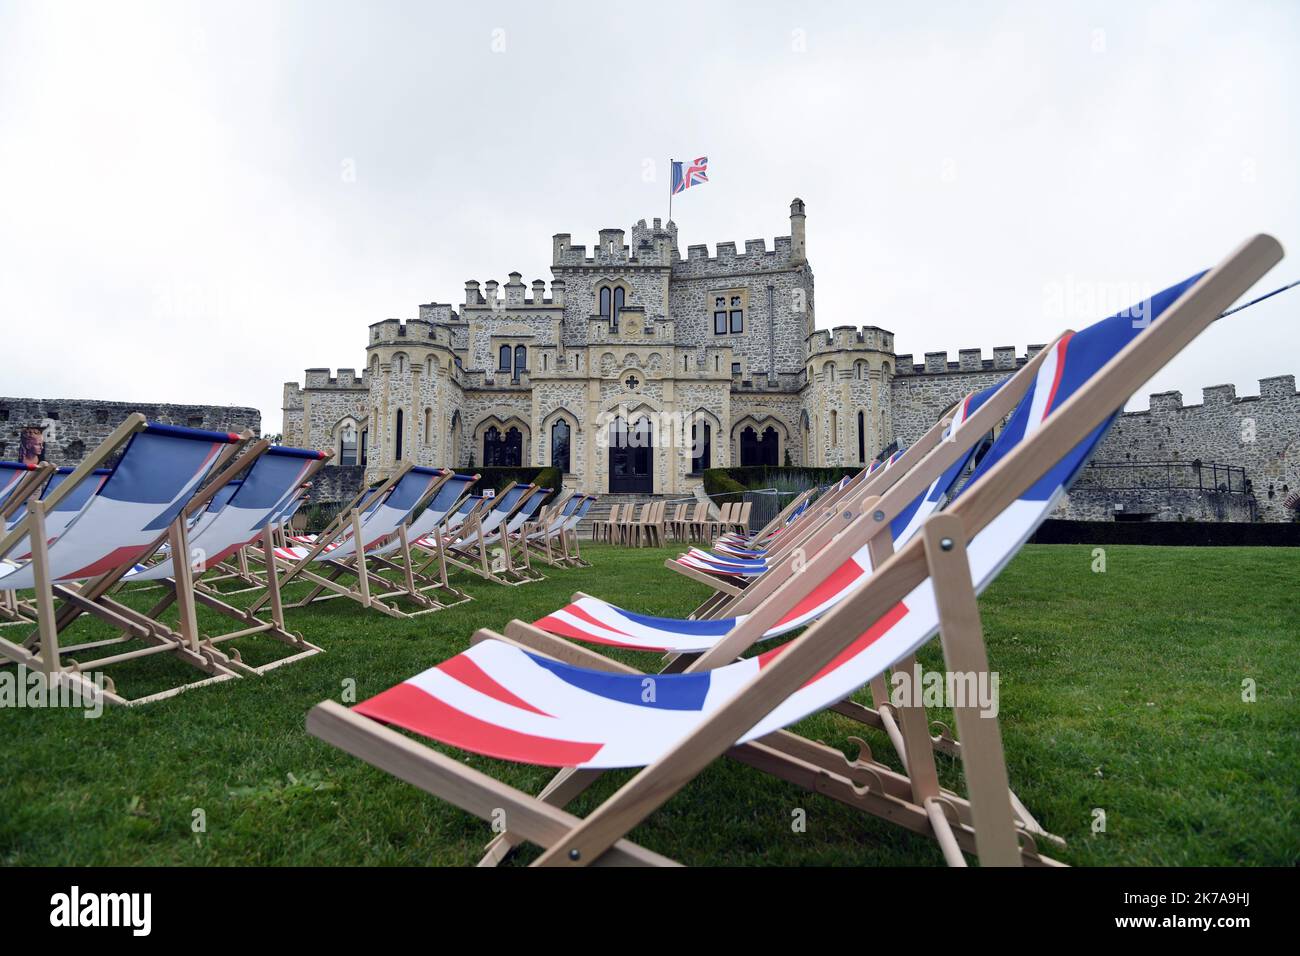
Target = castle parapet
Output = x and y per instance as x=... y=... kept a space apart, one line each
x=1278 y=386
x=318 y=378
x=1218 y=394
x=1166 y=401
x=849 y=338
x=412 y=332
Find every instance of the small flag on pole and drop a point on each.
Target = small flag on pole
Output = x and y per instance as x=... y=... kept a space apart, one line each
x=695 y=173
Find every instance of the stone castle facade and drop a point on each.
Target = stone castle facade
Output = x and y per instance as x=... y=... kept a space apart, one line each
x=639 y=367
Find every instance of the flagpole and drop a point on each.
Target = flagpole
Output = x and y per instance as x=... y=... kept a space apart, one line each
x=670 y=189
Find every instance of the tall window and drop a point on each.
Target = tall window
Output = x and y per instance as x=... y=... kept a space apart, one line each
x=503 y=359
x=702 y=442
x=428 y=426
x=835 y=429
x=560 y=446
x=503 y=450
x=348 y=445
x=759 y=450
x=521 y=361
x=611 y=304
x=397 y=438
x=862 y=438
x=728 y=313
x=365 y=434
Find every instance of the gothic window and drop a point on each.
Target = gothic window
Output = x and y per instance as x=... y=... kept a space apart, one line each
x=702 y=443
x=612 y=300
x=560 y=446
x=759 y=450
x=502 y=451
x=348 y=445
x=719 y=315
x=737 y=315
x=521 y=361
x=503 y=359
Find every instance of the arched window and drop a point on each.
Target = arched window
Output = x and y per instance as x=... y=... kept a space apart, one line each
x=348 y=444
x=835 y=428
x=759 y=450
x=397 y=437
x=862 y=438
x=399 y=363
x=560 y=446
x=428 y=426
x=503 y=451
x=702 y=445
x=503 y=359
x=611 y=301
x=521 y=361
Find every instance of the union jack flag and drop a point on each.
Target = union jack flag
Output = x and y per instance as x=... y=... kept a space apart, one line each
x=696 y=172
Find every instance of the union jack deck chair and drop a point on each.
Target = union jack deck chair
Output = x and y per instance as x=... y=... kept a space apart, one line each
x=505 y=700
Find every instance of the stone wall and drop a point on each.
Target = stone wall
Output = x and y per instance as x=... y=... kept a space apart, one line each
x=73 y=427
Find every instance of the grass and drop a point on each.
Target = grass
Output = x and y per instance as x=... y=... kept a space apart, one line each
x=1121 y=691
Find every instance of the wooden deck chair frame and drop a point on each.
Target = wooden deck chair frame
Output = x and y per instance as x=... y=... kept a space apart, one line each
x=250 y=622
x=432 y=547
x=474 y=554
x=369 y=587
x=543 y=546
x=938 y=553
x=516 y=555
x=42 y=651
x=12 y=610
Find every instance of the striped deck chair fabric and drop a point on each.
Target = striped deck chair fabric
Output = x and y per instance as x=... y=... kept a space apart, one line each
x=501 y=701
x=238 y=513
x=130 y=507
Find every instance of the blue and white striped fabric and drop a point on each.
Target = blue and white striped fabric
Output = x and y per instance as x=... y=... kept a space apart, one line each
x=129 y=509
x=502 y=701
x=251 y=504
x=382 y=516
x=12 y=474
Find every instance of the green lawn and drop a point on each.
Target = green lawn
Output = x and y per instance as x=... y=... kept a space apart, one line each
x=1120 y=691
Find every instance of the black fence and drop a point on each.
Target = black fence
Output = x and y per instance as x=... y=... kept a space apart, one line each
x=1183 y=533
x=1164 y=475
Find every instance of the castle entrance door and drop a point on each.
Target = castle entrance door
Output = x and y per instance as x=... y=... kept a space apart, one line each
x=631 y=458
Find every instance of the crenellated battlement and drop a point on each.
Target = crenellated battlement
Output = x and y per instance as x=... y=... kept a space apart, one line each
x=728 y=260
x=968 y=360
x=347 y=378
x=514 y=294
x=392 y=333
x=849 y=338
x=1273 y=388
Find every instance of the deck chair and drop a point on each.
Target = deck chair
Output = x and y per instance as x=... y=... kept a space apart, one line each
x=515 y=558
x=147 y=498
x=471 y=550
x=747 y=544
x=545 y=538
x=673 y=522
x=503 y=700
x=353 y=555
x=17 y=482
x=572 y=550
x=425 y=536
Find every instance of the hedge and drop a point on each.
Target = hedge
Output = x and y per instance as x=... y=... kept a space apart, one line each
x=497 y=478
x=730 y=482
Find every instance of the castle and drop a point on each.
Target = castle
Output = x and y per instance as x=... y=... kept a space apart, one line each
x=639 y=368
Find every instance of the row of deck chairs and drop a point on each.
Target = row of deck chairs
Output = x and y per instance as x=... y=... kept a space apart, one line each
x=649 y=525
x=871 y=571
x=73 y=538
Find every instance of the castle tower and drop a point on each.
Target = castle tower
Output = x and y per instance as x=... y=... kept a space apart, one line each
x=409 y=373
x=846 y=404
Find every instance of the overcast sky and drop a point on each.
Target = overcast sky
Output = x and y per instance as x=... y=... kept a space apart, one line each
x=197 y=201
